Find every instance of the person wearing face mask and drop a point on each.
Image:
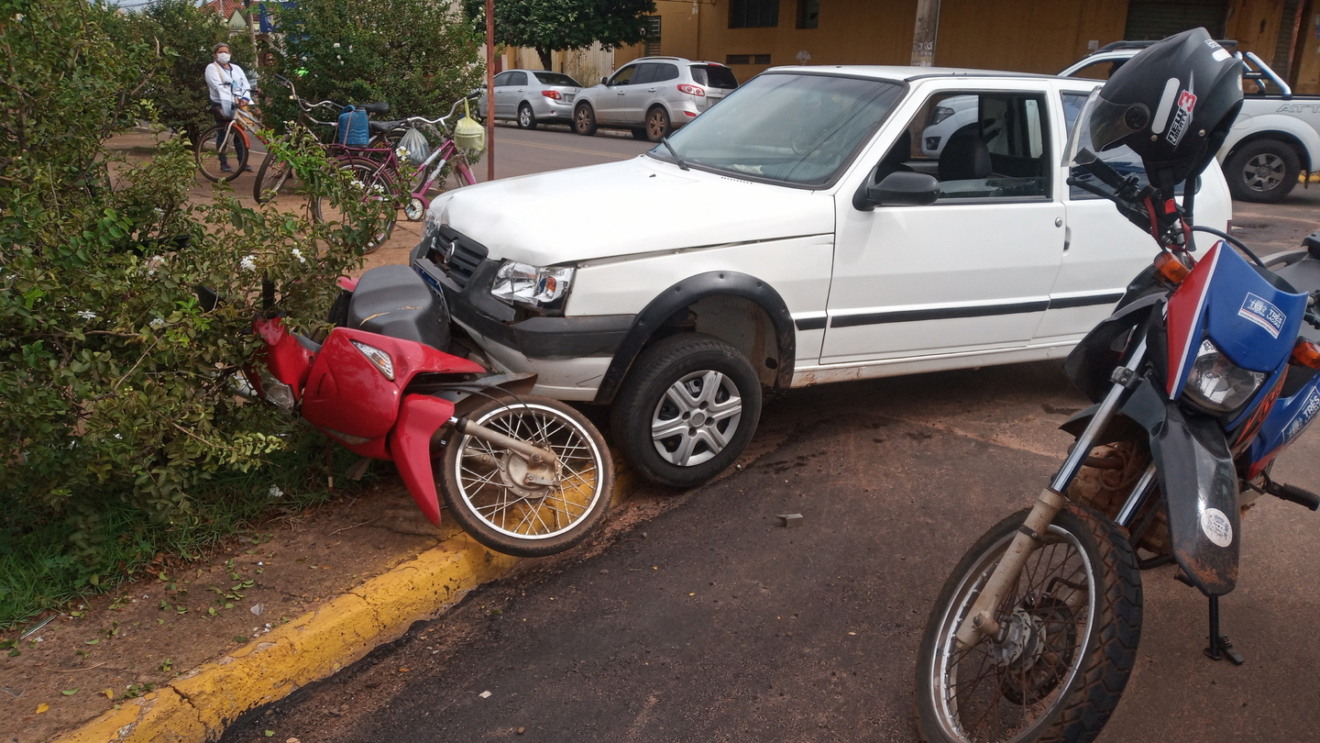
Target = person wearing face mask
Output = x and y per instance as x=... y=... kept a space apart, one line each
x=228 y=86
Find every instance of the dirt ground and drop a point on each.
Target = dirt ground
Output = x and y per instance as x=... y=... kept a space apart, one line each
x=70 y=667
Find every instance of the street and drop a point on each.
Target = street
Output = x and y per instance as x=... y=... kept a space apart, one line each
x=703 y=616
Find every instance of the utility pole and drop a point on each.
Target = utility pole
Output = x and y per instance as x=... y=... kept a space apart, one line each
x=923 y=36
x=490 y=90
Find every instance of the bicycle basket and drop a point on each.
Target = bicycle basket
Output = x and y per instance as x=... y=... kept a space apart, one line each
x=468 y=134
x=413 y=147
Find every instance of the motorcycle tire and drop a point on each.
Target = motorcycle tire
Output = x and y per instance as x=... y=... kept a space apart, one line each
x=487 y=490
x=1070 y=626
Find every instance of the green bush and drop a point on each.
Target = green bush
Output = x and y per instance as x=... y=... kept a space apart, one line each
x=120 y=429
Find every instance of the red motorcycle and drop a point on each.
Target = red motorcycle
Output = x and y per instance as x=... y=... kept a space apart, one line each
x=523 y=475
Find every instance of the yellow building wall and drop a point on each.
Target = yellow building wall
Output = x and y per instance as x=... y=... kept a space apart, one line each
x=1023 y=35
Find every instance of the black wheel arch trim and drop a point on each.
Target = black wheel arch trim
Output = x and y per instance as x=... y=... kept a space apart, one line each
x=650 y=320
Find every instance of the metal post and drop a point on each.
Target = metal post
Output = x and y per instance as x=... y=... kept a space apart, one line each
x=490 y=90
x=923 y=35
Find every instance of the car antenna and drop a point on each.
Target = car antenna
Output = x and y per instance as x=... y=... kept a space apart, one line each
x=681 y=165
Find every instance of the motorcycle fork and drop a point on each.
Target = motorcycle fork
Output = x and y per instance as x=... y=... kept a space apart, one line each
x=544 y=463
x=980 y=621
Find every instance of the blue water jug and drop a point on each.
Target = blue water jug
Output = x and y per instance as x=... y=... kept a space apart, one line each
x=353 y=127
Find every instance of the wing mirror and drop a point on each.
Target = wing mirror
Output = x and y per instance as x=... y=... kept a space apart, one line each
x=902 y=188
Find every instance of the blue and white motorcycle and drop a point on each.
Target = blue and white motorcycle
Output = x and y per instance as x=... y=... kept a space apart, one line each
x=1206 y=370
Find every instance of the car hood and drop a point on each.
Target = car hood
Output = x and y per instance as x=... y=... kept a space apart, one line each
x=635 y=206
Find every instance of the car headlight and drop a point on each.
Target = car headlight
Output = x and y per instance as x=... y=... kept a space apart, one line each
x=1217 y=384
x=940 y=114
x=542 y=289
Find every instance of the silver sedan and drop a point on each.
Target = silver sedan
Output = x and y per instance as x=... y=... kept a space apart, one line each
x=532 y=97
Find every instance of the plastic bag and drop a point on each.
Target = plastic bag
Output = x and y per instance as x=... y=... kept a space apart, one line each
x=413 y=147
x=468 y=134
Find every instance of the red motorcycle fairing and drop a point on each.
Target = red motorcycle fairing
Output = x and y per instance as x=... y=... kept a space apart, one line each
x=419 y=418
x=349 y=397
x=285 y=358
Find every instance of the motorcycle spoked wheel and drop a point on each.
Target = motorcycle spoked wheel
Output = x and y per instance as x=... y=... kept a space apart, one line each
x=488 y=492
x=1068 y=641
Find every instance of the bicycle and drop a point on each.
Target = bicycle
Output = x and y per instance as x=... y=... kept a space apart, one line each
x=382 y=176
x=274 y=173
x=222 y=150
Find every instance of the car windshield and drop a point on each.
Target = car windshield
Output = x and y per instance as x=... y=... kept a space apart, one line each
x=556 y=78
x=793 y=128
x=714 y=77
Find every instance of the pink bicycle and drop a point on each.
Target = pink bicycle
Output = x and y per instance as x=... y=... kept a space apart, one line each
x=389 y=173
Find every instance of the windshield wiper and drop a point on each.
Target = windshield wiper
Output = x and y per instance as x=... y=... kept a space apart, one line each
x=681 y=165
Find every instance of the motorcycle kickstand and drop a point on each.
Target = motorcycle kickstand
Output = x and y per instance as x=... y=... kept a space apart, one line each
x=1220 y=646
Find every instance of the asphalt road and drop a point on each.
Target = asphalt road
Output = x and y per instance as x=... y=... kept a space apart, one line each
x=707 y=619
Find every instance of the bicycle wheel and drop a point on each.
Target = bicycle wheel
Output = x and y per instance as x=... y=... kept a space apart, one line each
x=375 y=185
x=271 y=177
x=458 y=174
x=220 y=160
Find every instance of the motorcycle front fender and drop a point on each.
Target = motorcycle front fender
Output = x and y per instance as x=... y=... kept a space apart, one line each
x=1199 y=483
x=420 y=417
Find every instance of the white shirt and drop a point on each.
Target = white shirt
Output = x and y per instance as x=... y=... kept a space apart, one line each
x=227 y=86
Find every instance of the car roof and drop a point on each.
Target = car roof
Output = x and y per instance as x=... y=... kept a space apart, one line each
x=900 y=73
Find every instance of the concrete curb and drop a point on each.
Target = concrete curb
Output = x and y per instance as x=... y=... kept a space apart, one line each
x=200 y=704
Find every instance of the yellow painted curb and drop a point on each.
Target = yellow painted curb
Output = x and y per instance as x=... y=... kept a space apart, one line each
x=200 y=704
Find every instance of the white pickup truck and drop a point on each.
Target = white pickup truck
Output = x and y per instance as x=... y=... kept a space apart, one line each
x=1275 y=138
x=795 y=234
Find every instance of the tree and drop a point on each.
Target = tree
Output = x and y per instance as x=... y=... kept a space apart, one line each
x=557 y=25
x=417 y=55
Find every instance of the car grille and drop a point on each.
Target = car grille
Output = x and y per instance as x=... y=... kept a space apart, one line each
x=457 y=254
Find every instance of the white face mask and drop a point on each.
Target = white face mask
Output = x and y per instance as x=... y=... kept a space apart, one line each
x=222 y=57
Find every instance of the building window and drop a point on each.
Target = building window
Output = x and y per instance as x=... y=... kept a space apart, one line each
x=747 y=59
x=652 y=40
x=808 y=14
x=753 y=13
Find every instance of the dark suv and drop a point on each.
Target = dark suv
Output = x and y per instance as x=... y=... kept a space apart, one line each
x=652 y=96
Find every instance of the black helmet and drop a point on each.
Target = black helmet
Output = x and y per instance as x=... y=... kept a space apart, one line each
x=1172 y=103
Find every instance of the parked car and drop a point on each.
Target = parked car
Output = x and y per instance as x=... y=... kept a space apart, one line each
x=1275 y=138
x=532 y=97
x=652 y=96
x=793 y=235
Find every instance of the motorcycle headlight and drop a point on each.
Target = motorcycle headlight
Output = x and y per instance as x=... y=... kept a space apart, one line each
x=544 y=290
x=1217 y=384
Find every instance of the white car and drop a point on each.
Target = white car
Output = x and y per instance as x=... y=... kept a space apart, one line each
x=793 y=235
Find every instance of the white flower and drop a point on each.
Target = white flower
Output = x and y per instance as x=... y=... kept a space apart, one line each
x=402 y=153
x=335 y=45
x=18 y=18
x=157 y=323
x=87 y=314
x=275 y=491
x=249 y=263
x=298 y=254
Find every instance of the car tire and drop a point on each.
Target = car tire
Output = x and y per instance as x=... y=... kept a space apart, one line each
x=526 y=120
x=658 y=125
x=584 y=120
x=1264 y=171
x=687 y=410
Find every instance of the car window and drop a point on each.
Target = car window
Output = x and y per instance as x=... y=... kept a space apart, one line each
x=503 y=78
x=713 y=77
x=664 y=71
x=624 y=76
x=982 y=145
x=518 y=78
x=790 y=128
x=645 y=73
x=556 y=78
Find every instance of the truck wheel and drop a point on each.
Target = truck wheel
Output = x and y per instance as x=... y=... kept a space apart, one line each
x=687 y=410
x=1264 y=170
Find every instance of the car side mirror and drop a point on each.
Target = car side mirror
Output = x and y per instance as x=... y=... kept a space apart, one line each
x=901 y=188
x=604 y=80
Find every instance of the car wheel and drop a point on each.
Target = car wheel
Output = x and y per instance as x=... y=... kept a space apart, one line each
x=657 y=124
x=687 y=410
x=1263 y=171
x=525 y=118
x=584 y=120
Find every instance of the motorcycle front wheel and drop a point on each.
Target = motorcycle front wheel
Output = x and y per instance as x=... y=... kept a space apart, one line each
x=1068 y=637
x=509 y=505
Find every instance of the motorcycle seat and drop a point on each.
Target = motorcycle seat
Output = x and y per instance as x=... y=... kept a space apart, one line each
x=394 y=301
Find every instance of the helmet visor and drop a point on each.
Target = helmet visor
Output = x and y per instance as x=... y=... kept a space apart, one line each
x=1103 y=125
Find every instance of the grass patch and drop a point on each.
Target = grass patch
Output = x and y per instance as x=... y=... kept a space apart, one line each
x=39 y=571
